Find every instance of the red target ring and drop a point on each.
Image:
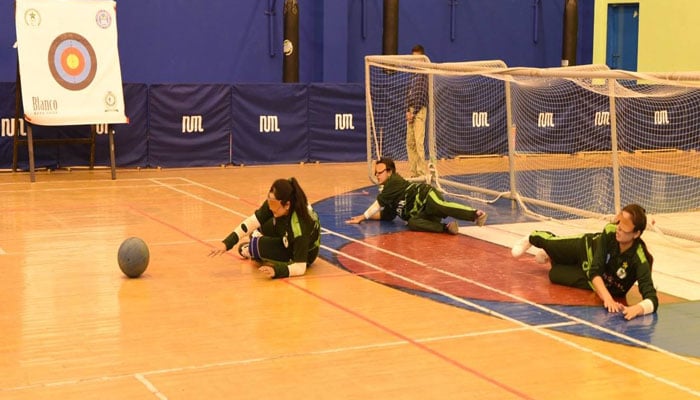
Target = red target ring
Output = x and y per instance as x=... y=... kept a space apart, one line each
x=72 y=61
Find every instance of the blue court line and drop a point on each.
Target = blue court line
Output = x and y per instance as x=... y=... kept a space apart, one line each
x=659 y=330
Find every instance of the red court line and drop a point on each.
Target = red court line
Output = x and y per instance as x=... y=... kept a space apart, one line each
x=411 y=341
x=355 y=314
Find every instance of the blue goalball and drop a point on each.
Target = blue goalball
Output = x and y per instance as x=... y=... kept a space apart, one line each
x=133 y=257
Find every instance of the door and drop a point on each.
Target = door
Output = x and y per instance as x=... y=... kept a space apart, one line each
x=623 y=36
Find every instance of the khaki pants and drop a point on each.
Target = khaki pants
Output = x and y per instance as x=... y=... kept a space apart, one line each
x=415 y=143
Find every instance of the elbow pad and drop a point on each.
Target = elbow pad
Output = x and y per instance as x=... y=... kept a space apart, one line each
x=244 y=229
x=247 y=226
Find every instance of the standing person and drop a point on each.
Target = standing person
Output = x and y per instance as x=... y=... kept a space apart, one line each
x=416 y=110
x=608 y=262
x=285 y=233
x=420 y=204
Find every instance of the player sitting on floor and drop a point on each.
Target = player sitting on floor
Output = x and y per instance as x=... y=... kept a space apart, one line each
x=608 y=262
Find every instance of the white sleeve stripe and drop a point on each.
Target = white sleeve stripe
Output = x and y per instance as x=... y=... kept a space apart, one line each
x=297 y=269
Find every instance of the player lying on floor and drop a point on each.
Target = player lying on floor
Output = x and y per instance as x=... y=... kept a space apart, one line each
x=608 y=262
x=419 y=204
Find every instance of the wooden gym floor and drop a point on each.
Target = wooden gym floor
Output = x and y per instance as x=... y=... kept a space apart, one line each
x=385 y=314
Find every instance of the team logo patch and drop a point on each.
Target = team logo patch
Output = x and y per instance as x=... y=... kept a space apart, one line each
x=110 y=101
x=32 y=17
x=622 y=271
x=103 y=19
x=72 y=61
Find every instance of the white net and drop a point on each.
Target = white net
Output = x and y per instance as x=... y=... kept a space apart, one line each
x=388 y=86
x=564 y=142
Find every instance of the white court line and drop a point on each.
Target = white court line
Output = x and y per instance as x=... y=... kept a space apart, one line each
x=539 y=330
x=459 y=277
x=523 y=327
x=674 y=267
x=494 y=290
x=116 y=185
x=141 y=376
x=150 y=386
x=211 y=203
x=494 y=313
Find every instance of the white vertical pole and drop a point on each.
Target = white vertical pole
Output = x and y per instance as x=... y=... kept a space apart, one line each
x=613 y=141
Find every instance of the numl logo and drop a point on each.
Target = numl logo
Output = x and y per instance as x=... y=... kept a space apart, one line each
x=7 y=127
x=192 y=124
x=269 y=123
x=602 y=118
x=661 y=117
x=480 y=119
x=102 y=129
x=343 y=122
x=545 y=120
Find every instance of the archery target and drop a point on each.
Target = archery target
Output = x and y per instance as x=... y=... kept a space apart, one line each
x=72 y=61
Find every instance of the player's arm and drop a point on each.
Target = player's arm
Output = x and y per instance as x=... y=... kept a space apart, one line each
x=372 y=212
x=297 y=267
x=597 y=265
x=608 y=301
x=283 y=271
x=644 y=307
x=650 y=301
x=243 y=229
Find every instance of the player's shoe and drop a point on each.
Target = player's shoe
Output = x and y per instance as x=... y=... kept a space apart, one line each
x=452 y=227
x=481 y=218
x=521 y=246
x=541 y=257
x=244 y=251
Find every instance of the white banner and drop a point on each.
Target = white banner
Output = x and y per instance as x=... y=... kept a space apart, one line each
x=69 y=62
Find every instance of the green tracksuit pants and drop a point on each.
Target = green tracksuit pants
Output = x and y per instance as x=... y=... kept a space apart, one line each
x=429 y=218
x=570 y=256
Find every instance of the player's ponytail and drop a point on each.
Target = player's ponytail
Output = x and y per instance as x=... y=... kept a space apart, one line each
x=300 y=203
x=289 y=191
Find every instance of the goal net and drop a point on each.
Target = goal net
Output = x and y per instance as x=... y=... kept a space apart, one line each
x=565 y=143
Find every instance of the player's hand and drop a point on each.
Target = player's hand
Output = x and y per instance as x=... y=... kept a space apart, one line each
x=409 y=116
x=218 y=250
x=632 y=312
x=267 y=270
x=356 y=219
x=612 y=306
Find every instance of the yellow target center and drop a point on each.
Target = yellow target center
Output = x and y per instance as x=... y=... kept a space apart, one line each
x=72 y=61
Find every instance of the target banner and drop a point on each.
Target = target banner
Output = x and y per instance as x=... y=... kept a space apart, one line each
x=69 y=62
